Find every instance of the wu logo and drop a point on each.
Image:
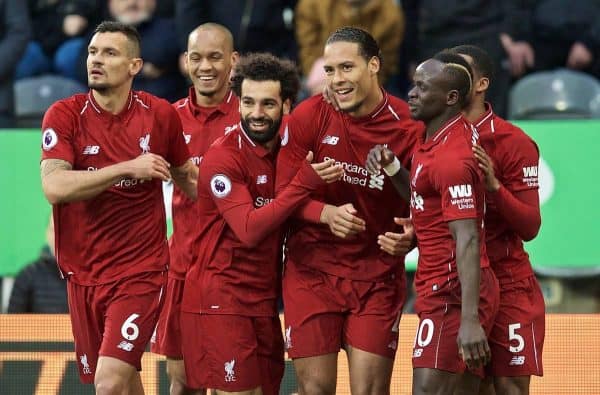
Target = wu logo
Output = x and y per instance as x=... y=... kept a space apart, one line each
x=145 y=143
x=460 y=191
x=530 y=171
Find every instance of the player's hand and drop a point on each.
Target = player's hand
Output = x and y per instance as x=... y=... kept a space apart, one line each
x=379 y=157
x=149 y=166
x=579 y=57
x=398 y=244
x=342 y=220
x=327 y=170
x=472 y=343
x=329 y=97
x=487 y=165
x=520 y=55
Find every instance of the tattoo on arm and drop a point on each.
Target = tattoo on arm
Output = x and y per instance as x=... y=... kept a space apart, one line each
x=49 y=166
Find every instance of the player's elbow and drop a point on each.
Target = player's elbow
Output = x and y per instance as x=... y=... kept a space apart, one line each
x=533 y=229
x=53 y=194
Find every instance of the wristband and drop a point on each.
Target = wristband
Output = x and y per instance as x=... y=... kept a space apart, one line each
x=393 y=168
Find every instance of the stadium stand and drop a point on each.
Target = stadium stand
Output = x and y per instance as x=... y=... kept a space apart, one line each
x=557 y=94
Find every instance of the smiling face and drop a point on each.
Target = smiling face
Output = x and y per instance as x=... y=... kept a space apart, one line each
x=429 y=97
x=209 y=60
x=351 y=78
x=111 y=62
x=261 y=109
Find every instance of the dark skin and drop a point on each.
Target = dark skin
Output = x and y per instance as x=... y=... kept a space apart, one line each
x=432 y=102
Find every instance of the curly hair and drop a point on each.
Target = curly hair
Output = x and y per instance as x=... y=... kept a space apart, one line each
x=267 y=67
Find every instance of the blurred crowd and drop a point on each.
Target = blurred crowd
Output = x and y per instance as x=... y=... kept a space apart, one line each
x=40 y=37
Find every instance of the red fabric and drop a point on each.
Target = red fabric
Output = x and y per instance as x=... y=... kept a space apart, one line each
x=314 y=125
x=439 y=321
x=166 y=339
x=513 y=212
x=102 y=314
x=201 y=127
x=121 y=231
x=445 y=186
x=238 y=228
x=324 y=312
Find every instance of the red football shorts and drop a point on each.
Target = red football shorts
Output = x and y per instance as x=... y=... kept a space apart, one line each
x=114 y=320
x=232 y=353
x=517 y=337
x=167 y=335
x=323 y=312
x=439 y=321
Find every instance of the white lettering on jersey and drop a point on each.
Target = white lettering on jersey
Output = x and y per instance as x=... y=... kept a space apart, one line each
x=262 y=201
x=262 y=179
x=530 y=176
x=462 y=191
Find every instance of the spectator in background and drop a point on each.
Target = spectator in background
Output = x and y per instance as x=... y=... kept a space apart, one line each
x=317 y=19
x=15 y=30
x=256 y=25
x=438 y=24
x=557 y=33
x=159 y=75
x=38 y=287
x=58 y=28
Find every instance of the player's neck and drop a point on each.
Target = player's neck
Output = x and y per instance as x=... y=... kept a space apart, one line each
x=270 y=145
x=210 y=101
x=112 y=100
x=369 y=104
x=475 y=110
x=434 y=125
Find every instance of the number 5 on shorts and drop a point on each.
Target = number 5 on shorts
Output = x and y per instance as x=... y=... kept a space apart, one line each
x=128 y=326
x=513 y=335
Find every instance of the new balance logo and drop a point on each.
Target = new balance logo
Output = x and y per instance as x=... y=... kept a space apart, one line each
x=331 y=140
x=262 y=179
x=125 y=346
x=460 y=191
x=376 y=182
x=91 y=150
x=517 y=360
x=530 y=171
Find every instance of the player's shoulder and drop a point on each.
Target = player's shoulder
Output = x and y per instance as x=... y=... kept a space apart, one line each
x=399 y=106
x=312 y=106
x=507 y=134
x=181 y=104
x=72 y=105
x=150 y=102
x=225 y=150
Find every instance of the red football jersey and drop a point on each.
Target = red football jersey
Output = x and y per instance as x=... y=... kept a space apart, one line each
x=516 y=158
x=446 y=185
x=201 y=127
x=314 y=125
x=122 y=230
x=238 y=270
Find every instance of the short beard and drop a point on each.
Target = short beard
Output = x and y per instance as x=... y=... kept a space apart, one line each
x=265 y=137
x=98 y=87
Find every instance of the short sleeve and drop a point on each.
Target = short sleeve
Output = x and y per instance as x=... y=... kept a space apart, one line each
x=58 y=130
x=519 y=163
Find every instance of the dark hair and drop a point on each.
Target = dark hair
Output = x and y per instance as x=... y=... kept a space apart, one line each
x=367 y=46
x=267 y=67
x=459 y=73
x=482 y=61
x=129 y=31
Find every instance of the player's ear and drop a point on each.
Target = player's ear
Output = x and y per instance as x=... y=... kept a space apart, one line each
x=287 y=106
x=482 y=85
x=135 y=66
x=452 y=97
x=374 y=65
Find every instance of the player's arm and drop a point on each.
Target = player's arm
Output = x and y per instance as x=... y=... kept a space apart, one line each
x=235 y=203
x=62 y=184
x=186 y=178
x=518 y=205
x=382 y=158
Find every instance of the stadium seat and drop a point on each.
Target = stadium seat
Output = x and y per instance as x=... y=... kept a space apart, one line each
x=34 y=95
x=557 y=94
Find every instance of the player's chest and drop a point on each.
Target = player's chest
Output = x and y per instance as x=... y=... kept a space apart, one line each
x=200 y=134
x=424 y=198
x=259 y=177
x=99 y=145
